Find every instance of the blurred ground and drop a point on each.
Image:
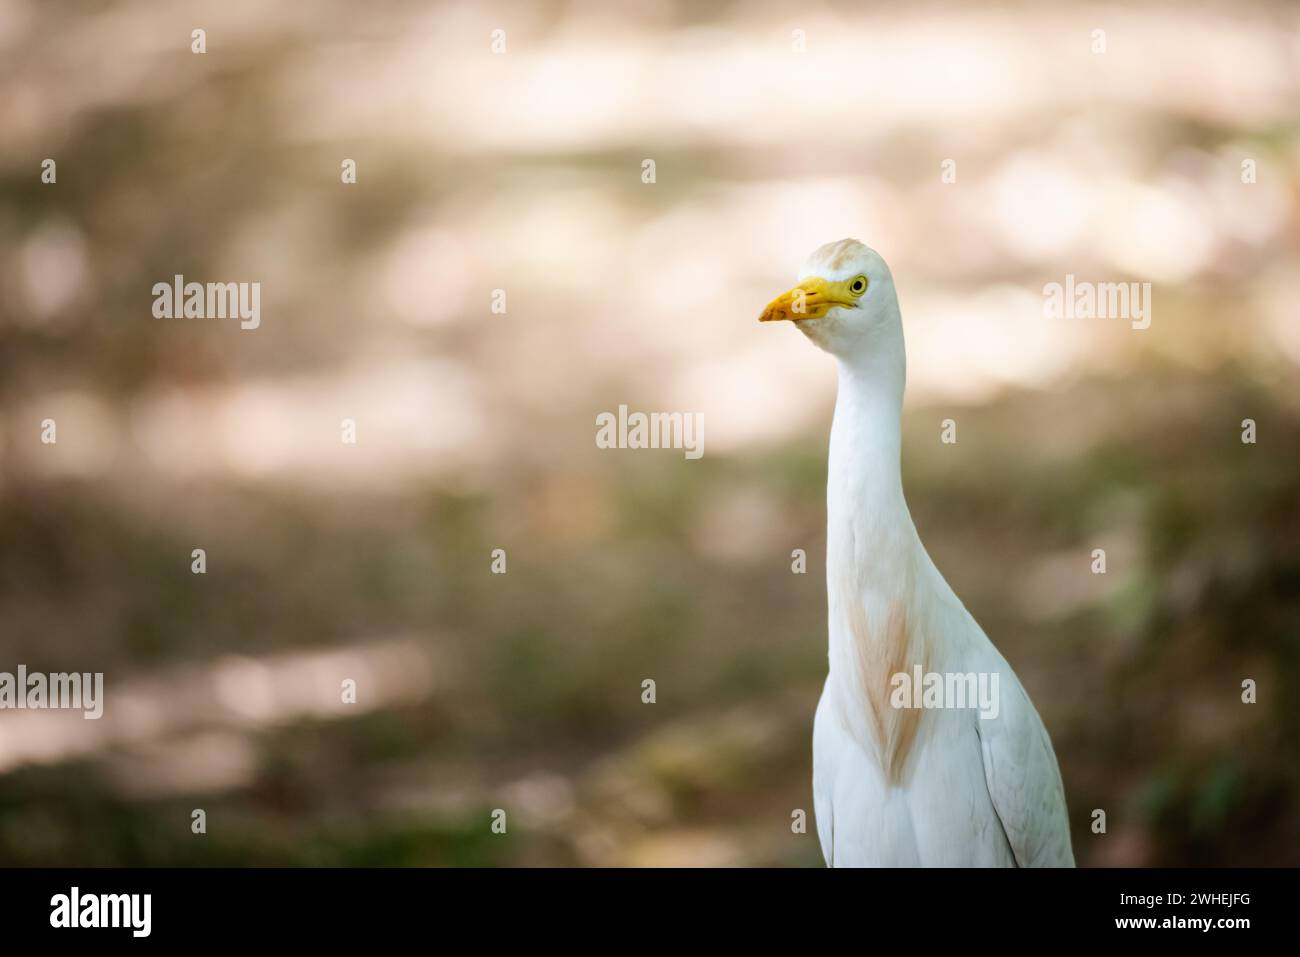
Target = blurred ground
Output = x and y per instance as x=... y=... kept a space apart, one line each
x=522 y=171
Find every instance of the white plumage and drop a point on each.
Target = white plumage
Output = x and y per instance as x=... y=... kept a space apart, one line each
x=905 y=786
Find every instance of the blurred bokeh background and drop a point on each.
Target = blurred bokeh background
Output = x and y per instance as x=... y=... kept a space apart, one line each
x=522 y=171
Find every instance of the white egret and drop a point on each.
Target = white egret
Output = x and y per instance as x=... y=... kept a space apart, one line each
x=946 y=780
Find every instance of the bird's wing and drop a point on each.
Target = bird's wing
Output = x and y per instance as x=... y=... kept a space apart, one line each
x=1024 y=781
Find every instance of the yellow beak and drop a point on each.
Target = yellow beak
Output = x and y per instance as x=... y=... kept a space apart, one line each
x=811 y=299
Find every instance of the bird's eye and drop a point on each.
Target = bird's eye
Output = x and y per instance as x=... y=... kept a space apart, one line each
x=858 y=286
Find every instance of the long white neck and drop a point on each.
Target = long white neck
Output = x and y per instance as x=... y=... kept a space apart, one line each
x=872 y=549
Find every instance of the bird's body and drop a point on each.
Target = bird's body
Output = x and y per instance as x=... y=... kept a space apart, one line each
x=898 y=782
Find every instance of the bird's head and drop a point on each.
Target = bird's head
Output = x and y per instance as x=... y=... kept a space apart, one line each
x=844 y=300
